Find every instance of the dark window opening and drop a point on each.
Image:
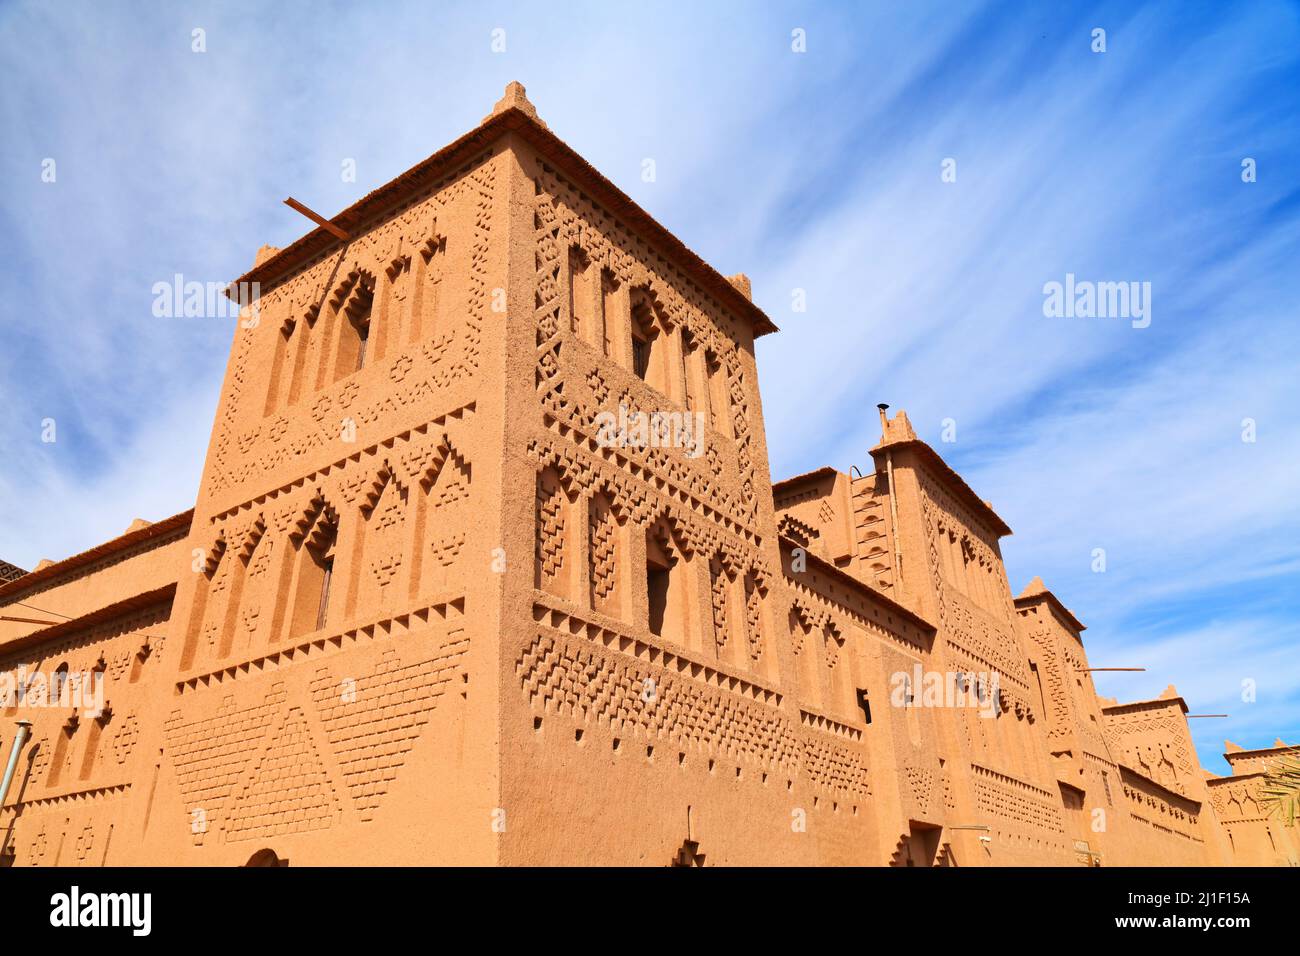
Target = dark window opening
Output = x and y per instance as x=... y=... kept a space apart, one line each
x=864 y=704
x=315 y=560
x=640 y=357
x=363 y=336
x=356 y=328
x=57 y=696
x=657 y=579
x=649 y=343
x=327 y=572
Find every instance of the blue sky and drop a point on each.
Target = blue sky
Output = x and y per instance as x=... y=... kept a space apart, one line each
x=817 y=171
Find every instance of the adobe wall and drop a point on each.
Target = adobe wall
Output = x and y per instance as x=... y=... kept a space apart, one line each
x=1097 y=816
x=1256 y=835
x=132 y=564
x=426 y=612
x=952 y=572
x=621 y=745
x=68 y=800
x=320 y=742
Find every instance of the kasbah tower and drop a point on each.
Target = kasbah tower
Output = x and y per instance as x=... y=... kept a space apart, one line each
x=425 y=611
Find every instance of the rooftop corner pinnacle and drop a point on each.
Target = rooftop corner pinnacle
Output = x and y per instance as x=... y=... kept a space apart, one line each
x=742 y=285
x=1034 y=588
x=516 y=97
x=895 y=429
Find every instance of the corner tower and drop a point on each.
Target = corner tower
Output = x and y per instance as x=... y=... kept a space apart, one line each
x=427 y=593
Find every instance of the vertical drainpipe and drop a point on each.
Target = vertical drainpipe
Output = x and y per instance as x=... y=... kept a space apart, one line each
x=893 y=503
x=24 y=731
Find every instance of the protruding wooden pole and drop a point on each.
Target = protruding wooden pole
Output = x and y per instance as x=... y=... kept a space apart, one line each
x=317 y=218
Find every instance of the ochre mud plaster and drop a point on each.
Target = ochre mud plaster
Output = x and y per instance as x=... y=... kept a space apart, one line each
x=424 y=612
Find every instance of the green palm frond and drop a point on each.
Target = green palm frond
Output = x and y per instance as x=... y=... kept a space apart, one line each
x=1281 y=789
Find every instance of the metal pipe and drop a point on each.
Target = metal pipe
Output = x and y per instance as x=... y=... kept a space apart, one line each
x=24 y=731
x=893 y=500
x=893 y=523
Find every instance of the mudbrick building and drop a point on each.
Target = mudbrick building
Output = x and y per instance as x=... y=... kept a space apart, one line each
x=432 y=607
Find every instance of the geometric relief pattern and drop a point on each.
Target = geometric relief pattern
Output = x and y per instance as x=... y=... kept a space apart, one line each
x=753 y=619
x=550 y=530
x=448 y=501
x=719 y=585
x=124 y=739
x=920 y=782
x=210 y=754
x=373 y=722
x=563 y=219
x=1014 y=800
x=604 y=534
x=1146 y=736
x=288 y=792
x=656 y=703
x=385 y=543
x=834 y=767
x=245 y=450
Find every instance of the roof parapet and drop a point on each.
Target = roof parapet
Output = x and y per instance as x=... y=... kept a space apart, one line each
x=898 y=435
x=513 y=113
x=1036 y=591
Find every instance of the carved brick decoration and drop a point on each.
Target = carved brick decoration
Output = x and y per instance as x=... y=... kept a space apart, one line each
x=603 y=549
x=719 y=589
x=373 y=722
x=287 y=790
x=550 y=534
x=210 y=754
x=425 y=587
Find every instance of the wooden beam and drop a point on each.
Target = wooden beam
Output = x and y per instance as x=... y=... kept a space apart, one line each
x=317 y=218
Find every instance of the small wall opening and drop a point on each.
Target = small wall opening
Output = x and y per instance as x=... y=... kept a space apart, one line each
x=354 y=340
x=667 y=586
x=864 y=705
x=312 y=593
x=650 y=347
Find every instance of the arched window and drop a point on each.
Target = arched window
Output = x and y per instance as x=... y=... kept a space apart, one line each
x=805 y=651
x=59 y=687
x=207 y=587
x=668 y=585
x=315 y=573
x=428 y=293
x=697 y=376
x=647 y=343
x=354 y=337
x=606 y=334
